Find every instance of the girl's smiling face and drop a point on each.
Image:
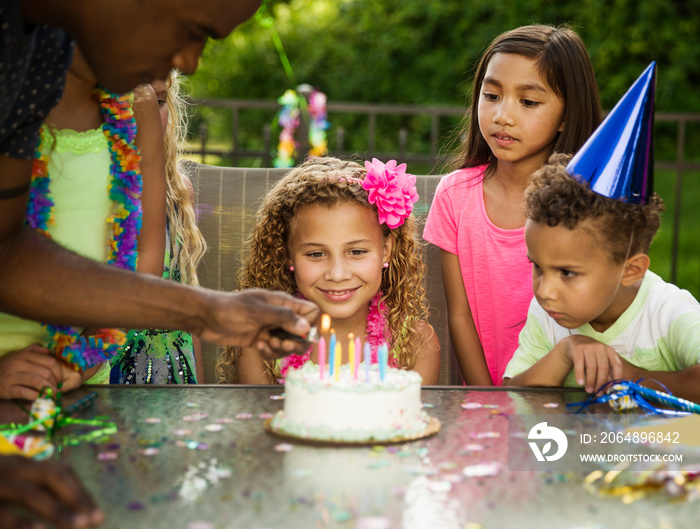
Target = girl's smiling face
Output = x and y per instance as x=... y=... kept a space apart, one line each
x=338 y=254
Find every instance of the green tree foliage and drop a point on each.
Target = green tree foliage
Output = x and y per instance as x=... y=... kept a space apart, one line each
x=423 y=51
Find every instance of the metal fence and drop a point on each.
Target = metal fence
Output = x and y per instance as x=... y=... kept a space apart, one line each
x=432 y=155
x=235 y=152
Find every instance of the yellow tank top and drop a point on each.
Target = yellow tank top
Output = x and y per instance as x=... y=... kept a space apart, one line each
x=79 y=164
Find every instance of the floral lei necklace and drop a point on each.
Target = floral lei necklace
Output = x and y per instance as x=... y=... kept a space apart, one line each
x=120 y=128
x=376 y=334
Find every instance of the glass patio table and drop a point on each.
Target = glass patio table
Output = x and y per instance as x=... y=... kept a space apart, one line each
x=198 y=457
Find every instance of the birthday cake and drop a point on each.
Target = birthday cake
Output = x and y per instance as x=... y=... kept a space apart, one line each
x=351 y=408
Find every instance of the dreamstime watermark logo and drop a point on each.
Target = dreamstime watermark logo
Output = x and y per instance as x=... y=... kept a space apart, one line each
x=542 y=432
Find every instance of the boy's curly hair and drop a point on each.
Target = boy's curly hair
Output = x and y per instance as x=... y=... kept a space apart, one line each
x=554 y=197
x=329 y=181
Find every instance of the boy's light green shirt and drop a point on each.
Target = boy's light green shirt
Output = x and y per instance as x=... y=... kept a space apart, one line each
x=659 y=331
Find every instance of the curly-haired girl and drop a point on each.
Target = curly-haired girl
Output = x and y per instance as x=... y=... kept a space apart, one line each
x=342 y=236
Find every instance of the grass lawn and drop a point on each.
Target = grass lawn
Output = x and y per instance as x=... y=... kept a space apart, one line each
x=688 y=263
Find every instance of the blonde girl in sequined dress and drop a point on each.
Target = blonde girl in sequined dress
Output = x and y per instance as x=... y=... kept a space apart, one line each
x=153 y=356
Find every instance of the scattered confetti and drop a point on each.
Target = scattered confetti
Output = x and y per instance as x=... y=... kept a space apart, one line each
x=490 y=406
x=447 y=465
x=470 y=405
x=265 y=416
x=484 y=435
x=421 y=470
x=482 y=470
x=107 y=456
x=224 y=420
x=153 y=420
x=214 y=427
x=200 y=525
x=429 y=406
x=195 y=417
x=277 y=397
x=192 y=405
x=373 y=522
x=440 y=486
x=181 y=432
x=150 y=451
x=283 y=447
x=223 y=472
x=474 y=447
x=341 y=515
x=243 y=415
x=551 y=404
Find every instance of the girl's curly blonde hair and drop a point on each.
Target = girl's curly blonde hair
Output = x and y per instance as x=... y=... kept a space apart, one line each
x=328 y=182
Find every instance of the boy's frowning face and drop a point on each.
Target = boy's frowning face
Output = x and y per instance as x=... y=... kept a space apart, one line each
x=573 y=278
x=131 y=42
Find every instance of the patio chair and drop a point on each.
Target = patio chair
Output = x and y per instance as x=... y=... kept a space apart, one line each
x=226 y=200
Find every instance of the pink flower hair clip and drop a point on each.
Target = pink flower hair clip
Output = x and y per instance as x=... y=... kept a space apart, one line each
x=392 y=190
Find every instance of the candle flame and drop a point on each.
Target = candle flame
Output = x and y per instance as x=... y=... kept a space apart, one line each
x=325 y=323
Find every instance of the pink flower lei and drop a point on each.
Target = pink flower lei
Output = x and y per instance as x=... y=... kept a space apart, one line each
x=377 y=333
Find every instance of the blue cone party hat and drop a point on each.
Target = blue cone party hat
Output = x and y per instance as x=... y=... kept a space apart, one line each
x=617 y=161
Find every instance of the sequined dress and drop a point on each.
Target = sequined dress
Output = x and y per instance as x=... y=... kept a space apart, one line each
x=154 y=356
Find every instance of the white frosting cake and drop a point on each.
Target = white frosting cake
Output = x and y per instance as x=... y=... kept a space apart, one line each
x=350 y=409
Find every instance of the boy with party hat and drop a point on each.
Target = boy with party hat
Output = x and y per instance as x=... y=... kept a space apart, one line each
x=598 y=313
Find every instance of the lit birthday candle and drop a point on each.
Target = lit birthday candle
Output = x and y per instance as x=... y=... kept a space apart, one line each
x=358 y=355
x=351 y=352
x=331 y=352
x=368 y=360
x=325 y=323
x=338 y=359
